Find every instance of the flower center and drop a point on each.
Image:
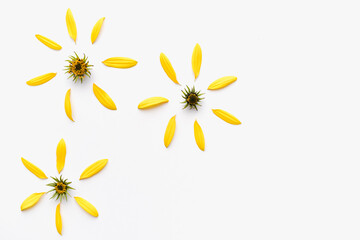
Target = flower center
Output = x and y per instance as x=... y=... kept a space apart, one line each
x=78 y=68
x=192 y=98
x=60 y=188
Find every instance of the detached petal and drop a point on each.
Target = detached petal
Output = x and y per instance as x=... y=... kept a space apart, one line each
x=31 y=201
x=68 y=105
x=120 y=62
x=196 y=60
x=96 y=30
x=88 y=207
x=58 y=221
x=93 y=169
x=170 y=131
x=41 y=79
x=103 y=98
x=71 y=26
x=168 y=68
x=222 y=82
x=227 y=117
x=48 y=42
x=34 y=169
x=152 y=102
x=60 y=155
x=199 y=136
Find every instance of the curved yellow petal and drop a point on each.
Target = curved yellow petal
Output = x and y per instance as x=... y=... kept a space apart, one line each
x=199 y=136
x=88 y=207
x=31 y=201
x=103 y=98
x=170 y=131
x=41 y=79
x=222 y=82
x=71 y=26
x=152 y=102
x=68 y=105
x=196 y=60
x=34 y=169
x=93 y=169
x=120 y=62
x=96 y=30
x=48 y=42
x=227 y=117
x=58 y=221
x=60 y=155
x=168 y=68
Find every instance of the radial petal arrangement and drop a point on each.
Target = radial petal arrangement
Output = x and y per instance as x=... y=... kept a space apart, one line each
x=61 y=187
x=192 y=98
x=79 y=68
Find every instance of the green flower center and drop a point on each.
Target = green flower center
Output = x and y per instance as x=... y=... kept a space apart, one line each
x=60 y=188
x=78 y=68
x=192 y=98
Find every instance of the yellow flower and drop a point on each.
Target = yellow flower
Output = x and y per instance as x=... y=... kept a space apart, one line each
x=192 y=98
x=79 y=68
x=61 y=187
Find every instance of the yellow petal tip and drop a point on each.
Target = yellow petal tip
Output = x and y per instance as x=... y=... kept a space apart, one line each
x=152 y=102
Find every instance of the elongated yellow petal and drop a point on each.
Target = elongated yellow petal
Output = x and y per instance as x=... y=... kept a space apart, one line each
x=168 y=68
x=93 y=169
x=196 y=60
x=31 y=200
x=170 y=131
x=34 y=169
x=227 y=117
x=120 y=62
x=199 y=136
x=41 y=79
x=60 y=155
x=96 y=30
x=88 y=207
x=152 y=102
x=58 y=221
x=222 y=82
x=103 y=98
x=48 y=42
x=68 y=105
x=71 y=26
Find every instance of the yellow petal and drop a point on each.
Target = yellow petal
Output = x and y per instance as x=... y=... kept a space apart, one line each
x=41 y=79
x=103 y=98
x=227 y=117
x=170 y=131
x=152 y=102
x=196 y=60
x=88 y=207
x=93 y=169
x=58 y=221
x=60 y=155
x=71 y=26
x=68 y=105
x=199 y=136
x=169 y=70
x=222 y=82
x=31 y=201
x=34 y=169
x=96 y=30
x=48 y=42
x=120 y=62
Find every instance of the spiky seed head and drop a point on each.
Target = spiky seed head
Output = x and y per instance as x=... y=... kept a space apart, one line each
x=78 y=68
x=60 y=188
x=192 y=97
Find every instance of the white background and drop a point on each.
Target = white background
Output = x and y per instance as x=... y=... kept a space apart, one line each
x=290 y=171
